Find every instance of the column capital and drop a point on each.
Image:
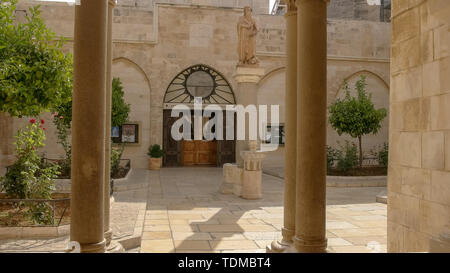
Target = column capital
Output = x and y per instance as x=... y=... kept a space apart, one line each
x=112 y=3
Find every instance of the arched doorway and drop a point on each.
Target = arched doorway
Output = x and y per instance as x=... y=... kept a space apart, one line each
x=213 y=88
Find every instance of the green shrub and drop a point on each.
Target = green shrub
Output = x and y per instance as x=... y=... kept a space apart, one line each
x=116 y=155
x=383 y=155
x=347 y=157
x=119 y=109
x=35 y=74
x=332 y=156
x=27 y=178
x=155 y=151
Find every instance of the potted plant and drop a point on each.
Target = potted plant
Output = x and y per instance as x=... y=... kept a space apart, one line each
x=156 y=153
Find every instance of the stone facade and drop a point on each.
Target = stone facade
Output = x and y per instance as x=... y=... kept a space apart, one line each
x=153 y=42
x=419 y=163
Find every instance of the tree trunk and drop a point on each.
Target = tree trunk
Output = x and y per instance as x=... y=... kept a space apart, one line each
x=360 y=151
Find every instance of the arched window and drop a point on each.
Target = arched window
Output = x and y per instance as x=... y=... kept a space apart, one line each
x=200 y=81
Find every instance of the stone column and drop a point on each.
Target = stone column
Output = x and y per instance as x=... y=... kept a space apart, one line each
x=311 y=126
x=288 y=229
x=107 y=228
x=247 y=79
x=88 y=126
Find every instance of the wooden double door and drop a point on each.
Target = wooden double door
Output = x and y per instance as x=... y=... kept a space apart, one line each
x=194 y=152
x=199 y=152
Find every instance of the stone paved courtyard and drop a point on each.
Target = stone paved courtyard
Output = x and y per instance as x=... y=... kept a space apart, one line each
x=185 y=213
x=181 y=210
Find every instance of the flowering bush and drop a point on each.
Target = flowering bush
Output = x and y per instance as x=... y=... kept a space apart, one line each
x=26 y=178
x=63 y=131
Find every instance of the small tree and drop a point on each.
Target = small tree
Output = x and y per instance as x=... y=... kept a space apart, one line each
x=35 y=74
x=356 y=116
x=119 y=109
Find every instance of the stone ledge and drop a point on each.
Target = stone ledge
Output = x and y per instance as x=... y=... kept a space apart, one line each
x=344 y=181
x=33 y=232
x=356 y=181
x=121 y=184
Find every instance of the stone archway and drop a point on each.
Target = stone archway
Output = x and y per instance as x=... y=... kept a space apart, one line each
x=197 y=81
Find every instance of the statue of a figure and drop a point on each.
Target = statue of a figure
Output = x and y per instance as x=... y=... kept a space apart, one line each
x=247 y=31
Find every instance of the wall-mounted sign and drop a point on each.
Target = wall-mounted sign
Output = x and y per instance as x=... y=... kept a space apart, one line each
x=127 y=133
x=275 y=134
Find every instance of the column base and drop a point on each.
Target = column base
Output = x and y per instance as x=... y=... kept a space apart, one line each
x=283 y=245
x=310 y=246
x=108 y=237
x=115 y=247
x=94 y=248
x=279 y=247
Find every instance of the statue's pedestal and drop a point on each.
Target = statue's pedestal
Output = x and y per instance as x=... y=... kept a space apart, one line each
x=247 y=79
x=252 y=174
x=231 y=183
x=245 y=182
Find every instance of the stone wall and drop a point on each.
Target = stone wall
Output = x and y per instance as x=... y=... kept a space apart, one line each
x=419 y=163
x=147 y=58
x=355 y=10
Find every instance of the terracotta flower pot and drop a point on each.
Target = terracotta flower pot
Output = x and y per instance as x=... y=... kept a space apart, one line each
x=154 y=163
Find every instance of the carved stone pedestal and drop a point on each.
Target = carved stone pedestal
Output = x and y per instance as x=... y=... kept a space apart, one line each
x=252 y=174
x=231 y=179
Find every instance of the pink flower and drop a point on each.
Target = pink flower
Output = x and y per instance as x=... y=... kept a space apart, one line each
x=32 y=120
x=61 y=117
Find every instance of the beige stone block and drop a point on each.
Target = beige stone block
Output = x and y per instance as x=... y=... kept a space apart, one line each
x=227 y=236
x=411 y=112
x=431 y=78
x=394 y=183
x=191 y=236
x=433 y=150
x=339 y=225
x=410 y=149
x=371 y=224
x=356 y=232
x=416 y=182
x=363 y=241
x=220 y=228
x=157 y=228
x=184 y=228
x=238 y=244
x=156 y=235
x=434 y=217
x=405 y=55
x=447 y=150
x=424 y=117
x=157 y=246
x=440 y=187
x=350 y=249
x=416 y=241
x=404 y=210
x=427 y=40
x=442 y=41
x=395 y=237
x=406 y=26
x=156 y=222
x=440 y=112
x=407 y=85
x=251 y=184
x=191 y=244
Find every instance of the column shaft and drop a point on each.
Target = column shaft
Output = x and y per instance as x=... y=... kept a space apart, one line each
x=88 y=126
x=107 y=228
x=311 y=126
x=291 y=125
